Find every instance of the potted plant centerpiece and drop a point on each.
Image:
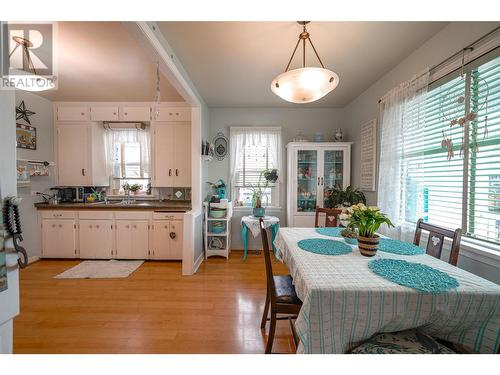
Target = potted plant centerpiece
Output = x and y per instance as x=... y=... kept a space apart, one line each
x=366 y=220
x=270 y=176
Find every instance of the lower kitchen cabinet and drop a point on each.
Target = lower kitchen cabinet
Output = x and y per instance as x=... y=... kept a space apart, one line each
x=58 y=238
x=166 y=240
x=111 y=234
x=96 y=239
x=132 y=239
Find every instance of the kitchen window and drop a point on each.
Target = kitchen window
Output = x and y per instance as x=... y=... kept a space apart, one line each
x=128 y=154
x=434 y=185
x=254 y=149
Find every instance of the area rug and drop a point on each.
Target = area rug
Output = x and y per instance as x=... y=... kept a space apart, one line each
x=101 y=269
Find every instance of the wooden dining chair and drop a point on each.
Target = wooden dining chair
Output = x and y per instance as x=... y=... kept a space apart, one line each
x=280 y=296
x=331 y=215
x=436 y=240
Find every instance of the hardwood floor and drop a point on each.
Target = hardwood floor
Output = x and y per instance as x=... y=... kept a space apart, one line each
x=155 y=310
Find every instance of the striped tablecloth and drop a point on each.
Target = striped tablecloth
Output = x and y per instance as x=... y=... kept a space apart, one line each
x=344 y=303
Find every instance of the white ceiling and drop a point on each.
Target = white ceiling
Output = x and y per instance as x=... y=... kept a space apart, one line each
x=101 y=61
x=232 y=64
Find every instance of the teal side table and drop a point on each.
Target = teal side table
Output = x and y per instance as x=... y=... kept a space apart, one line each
x=252 y=223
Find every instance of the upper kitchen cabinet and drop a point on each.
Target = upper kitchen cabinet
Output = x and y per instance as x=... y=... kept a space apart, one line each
x=173 y=114
x=171 y=151
x=129 y=113
x=72 y=113
x=80 y=154
x=104 y=113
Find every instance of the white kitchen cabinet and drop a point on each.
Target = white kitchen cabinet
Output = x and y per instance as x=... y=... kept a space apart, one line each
x=96 y=239
x=80 y=154
x=173 y=114
x=171 y=154
x=72 y=113
x=129 y=113
x=105 y=113
x=312 y=169
x=72 y=155
x=132 y=240
x=58 y=238
x=166 y=240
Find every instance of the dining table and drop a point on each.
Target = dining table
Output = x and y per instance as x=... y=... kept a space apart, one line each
x=345 y=302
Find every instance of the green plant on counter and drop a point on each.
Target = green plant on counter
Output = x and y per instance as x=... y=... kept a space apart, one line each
x=135 y=187
x=337 y=198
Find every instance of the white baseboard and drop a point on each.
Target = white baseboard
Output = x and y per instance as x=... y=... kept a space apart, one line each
x=198 y=262
x=33 y=259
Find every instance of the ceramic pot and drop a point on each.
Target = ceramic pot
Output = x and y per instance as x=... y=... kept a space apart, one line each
x=259 y=212
x=368 y=246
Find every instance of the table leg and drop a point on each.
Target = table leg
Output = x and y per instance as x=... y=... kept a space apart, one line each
x=274 y=232
x=244 y=232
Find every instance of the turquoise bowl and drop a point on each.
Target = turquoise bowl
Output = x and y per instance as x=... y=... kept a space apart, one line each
x=259 y=212
x=218 y=214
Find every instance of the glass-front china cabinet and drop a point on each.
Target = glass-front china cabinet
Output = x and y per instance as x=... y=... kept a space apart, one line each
x=312 y=169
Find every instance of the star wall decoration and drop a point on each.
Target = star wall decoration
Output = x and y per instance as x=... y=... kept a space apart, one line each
x=23 y=113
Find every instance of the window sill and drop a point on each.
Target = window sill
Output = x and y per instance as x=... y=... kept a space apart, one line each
x=475 y=250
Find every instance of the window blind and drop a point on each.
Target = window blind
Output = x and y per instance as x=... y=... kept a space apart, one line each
x=434 y=184
x=484 y=162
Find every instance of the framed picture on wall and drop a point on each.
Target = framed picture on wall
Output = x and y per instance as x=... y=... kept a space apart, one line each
x=25 y=136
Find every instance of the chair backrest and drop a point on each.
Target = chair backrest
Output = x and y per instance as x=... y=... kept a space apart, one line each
x=436 y=240
x=267 y=258
x=330 y=216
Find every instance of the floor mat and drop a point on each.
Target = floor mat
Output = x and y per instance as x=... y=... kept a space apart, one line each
x=101 y=269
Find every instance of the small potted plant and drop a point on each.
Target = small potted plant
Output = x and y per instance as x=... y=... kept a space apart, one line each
x=270 y=177
x=135 y=188
x=350 y=236
x=126 y=187
x=366 y=220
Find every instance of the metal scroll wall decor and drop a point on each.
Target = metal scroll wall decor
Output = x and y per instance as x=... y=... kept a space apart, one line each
x=221 y=146
x=454 y=103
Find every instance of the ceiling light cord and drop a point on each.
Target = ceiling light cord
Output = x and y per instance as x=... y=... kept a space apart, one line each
x=304 y=35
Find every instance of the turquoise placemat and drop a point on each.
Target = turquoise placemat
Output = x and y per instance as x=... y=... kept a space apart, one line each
x=399 y=247
x=330 y=231
x=414 y=275
x=324 y=246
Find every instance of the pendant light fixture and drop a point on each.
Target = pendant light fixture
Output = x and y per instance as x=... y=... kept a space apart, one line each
x=306 y=84
x=35 y=82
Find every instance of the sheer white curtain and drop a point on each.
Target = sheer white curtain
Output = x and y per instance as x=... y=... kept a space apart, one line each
x=402 y=117
x=245 y=139
x=116 y=139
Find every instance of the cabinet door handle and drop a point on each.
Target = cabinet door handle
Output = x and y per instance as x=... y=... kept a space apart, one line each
x=176 y=172
x=53 y=225
x=127 y=226
x=322 y=181
x=173 y=235
x=318 y=181
x=83 y=171
x=97 y=226
x=60 y=225
x=135 y=226
x=170 y=172
x=166 y=226
x=90 y=226
x=126 y=113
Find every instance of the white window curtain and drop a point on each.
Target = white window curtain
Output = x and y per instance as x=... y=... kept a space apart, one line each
x=402 y=119
x=128 y=143
x=253 y=149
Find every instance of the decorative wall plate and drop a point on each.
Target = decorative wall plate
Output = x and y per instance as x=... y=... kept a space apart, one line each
x=221 y=145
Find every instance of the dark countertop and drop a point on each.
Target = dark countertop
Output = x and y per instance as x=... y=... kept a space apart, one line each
x=165 y=206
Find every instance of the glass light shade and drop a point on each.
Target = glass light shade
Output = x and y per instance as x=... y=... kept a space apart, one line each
x=304 y=85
